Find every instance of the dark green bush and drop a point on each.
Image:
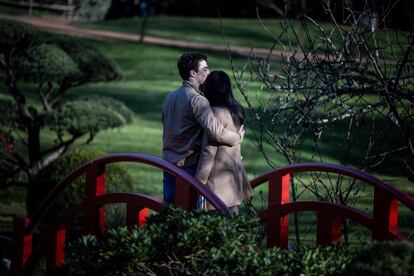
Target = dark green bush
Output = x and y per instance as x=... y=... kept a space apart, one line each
x=195 y=243
x=331 y=260
x=82 y=116
x=117 y=179
x=383 y=258
x=111 y=104
x=93 y=65
x=15 y=37
x=45 y=62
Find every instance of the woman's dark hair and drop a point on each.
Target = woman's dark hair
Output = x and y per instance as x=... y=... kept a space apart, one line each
x=217 y=89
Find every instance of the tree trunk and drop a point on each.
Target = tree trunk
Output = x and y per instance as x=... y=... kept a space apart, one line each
x=301 y=28
x=143 y=27
x=33 y=142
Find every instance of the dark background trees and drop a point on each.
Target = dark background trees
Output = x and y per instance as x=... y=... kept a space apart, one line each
x=399 y=17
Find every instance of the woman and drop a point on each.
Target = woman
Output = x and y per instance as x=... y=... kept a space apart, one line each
x=220 y=167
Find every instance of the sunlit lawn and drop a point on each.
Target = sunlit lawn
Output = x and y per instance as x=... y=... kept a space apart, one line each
x=248 y=32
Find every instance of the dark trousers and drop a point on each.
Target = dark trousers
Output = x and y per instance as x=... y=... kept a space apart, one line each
x=168 y=183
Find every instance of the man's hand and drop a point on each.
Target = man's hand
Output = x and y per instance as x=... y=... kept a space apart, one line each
x=241 y=133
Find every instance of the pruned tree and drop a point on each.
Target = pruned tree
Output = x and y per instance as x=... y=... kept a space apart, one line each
x=37 y=72
x=345 y=85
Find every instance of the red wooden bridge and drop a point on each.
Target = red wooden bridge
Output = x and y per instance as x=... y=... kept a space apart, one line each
x=25 y=253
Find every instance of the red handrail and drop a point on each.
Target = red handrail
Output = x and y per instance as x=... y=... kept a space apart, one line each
x=383 y=222
x=339 y=169
x=24 y=256
x=135 y=199
x=123 y=157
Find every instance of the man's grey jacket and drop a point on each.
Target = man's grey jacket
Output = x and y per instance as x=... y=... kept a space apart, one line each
x=186 y=113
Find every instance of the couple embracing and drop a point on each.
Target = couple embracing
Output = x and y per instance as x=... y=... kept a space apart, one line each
x=203 y=130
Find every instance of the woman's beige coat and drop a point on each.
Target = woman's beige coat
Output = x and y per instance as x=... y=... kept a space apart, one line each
x=220 y=167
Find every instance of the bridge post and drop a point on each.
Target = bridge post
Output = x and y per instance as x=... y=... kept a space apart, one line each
x=21 y=245
x=185 y=196
x=385 y=214
x=136 y=215
x=278 y=223
x=95 y=185
x=56 y=247
x=329 y=228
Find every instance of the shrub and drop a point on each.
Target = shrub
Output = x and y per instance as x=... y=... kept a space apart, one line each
x=45 y=62
x=117 y=179
x=91 y=10
x=15 y=37
x=194 y=243
x=83 y=116
x=53 y=66
x=383 y=258
x=93 y=65
x=330 y=260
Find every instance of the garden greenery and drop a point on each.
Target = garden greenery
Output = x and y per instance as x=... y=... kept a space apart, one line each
x=196 y=243
x=117 y=180
x=38 y=72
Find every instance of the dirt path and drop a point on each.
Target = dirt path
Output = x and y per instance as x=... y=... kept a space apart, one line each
x=62 y=26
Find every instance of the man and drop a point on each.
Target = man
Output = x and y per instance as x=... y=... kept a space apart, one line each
x=186 y=114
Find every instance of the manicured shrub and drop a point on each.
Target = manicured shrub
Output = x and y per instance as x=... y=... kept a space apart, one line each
x=16 y=37
x=117 y=179
x=53 y=66
x=93 y=65
x=383 y=258
x=84 y=116
x=46 y=62
x=196 y=243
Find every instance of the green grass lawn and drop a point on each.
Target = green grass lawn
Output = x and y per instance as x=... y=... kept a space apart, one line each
x=245 y=32
x=249 y=32
x=150 y=74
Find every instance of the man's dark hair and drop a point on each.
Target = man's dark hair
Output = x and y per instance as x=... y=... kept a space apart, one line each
x=188 y=62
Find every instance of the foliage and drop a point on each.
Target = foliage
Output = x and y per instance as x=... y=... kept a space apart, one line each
x=16 y=37
x=117 y=179
x=343 y=92
x=383 y=258
x=196 y=243
x=47 y=67
x=331 y=260
x=93 y=65
x=110 y=103
x=42 y=63
x=80 y=116
x=90 y=10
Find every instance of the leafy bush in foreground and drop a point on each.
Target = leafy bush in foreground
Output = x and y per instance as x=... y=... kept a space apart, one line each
x=196 y=243
x=383 y=258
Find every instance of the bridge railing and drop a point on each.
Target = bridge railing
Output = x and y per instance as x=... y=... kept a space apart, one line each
x=26 y=254
x=383 y=222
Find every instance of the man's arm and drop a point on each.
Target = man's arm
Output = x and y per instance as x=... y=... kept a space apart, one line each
x=207 y=156
x=214 y=129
